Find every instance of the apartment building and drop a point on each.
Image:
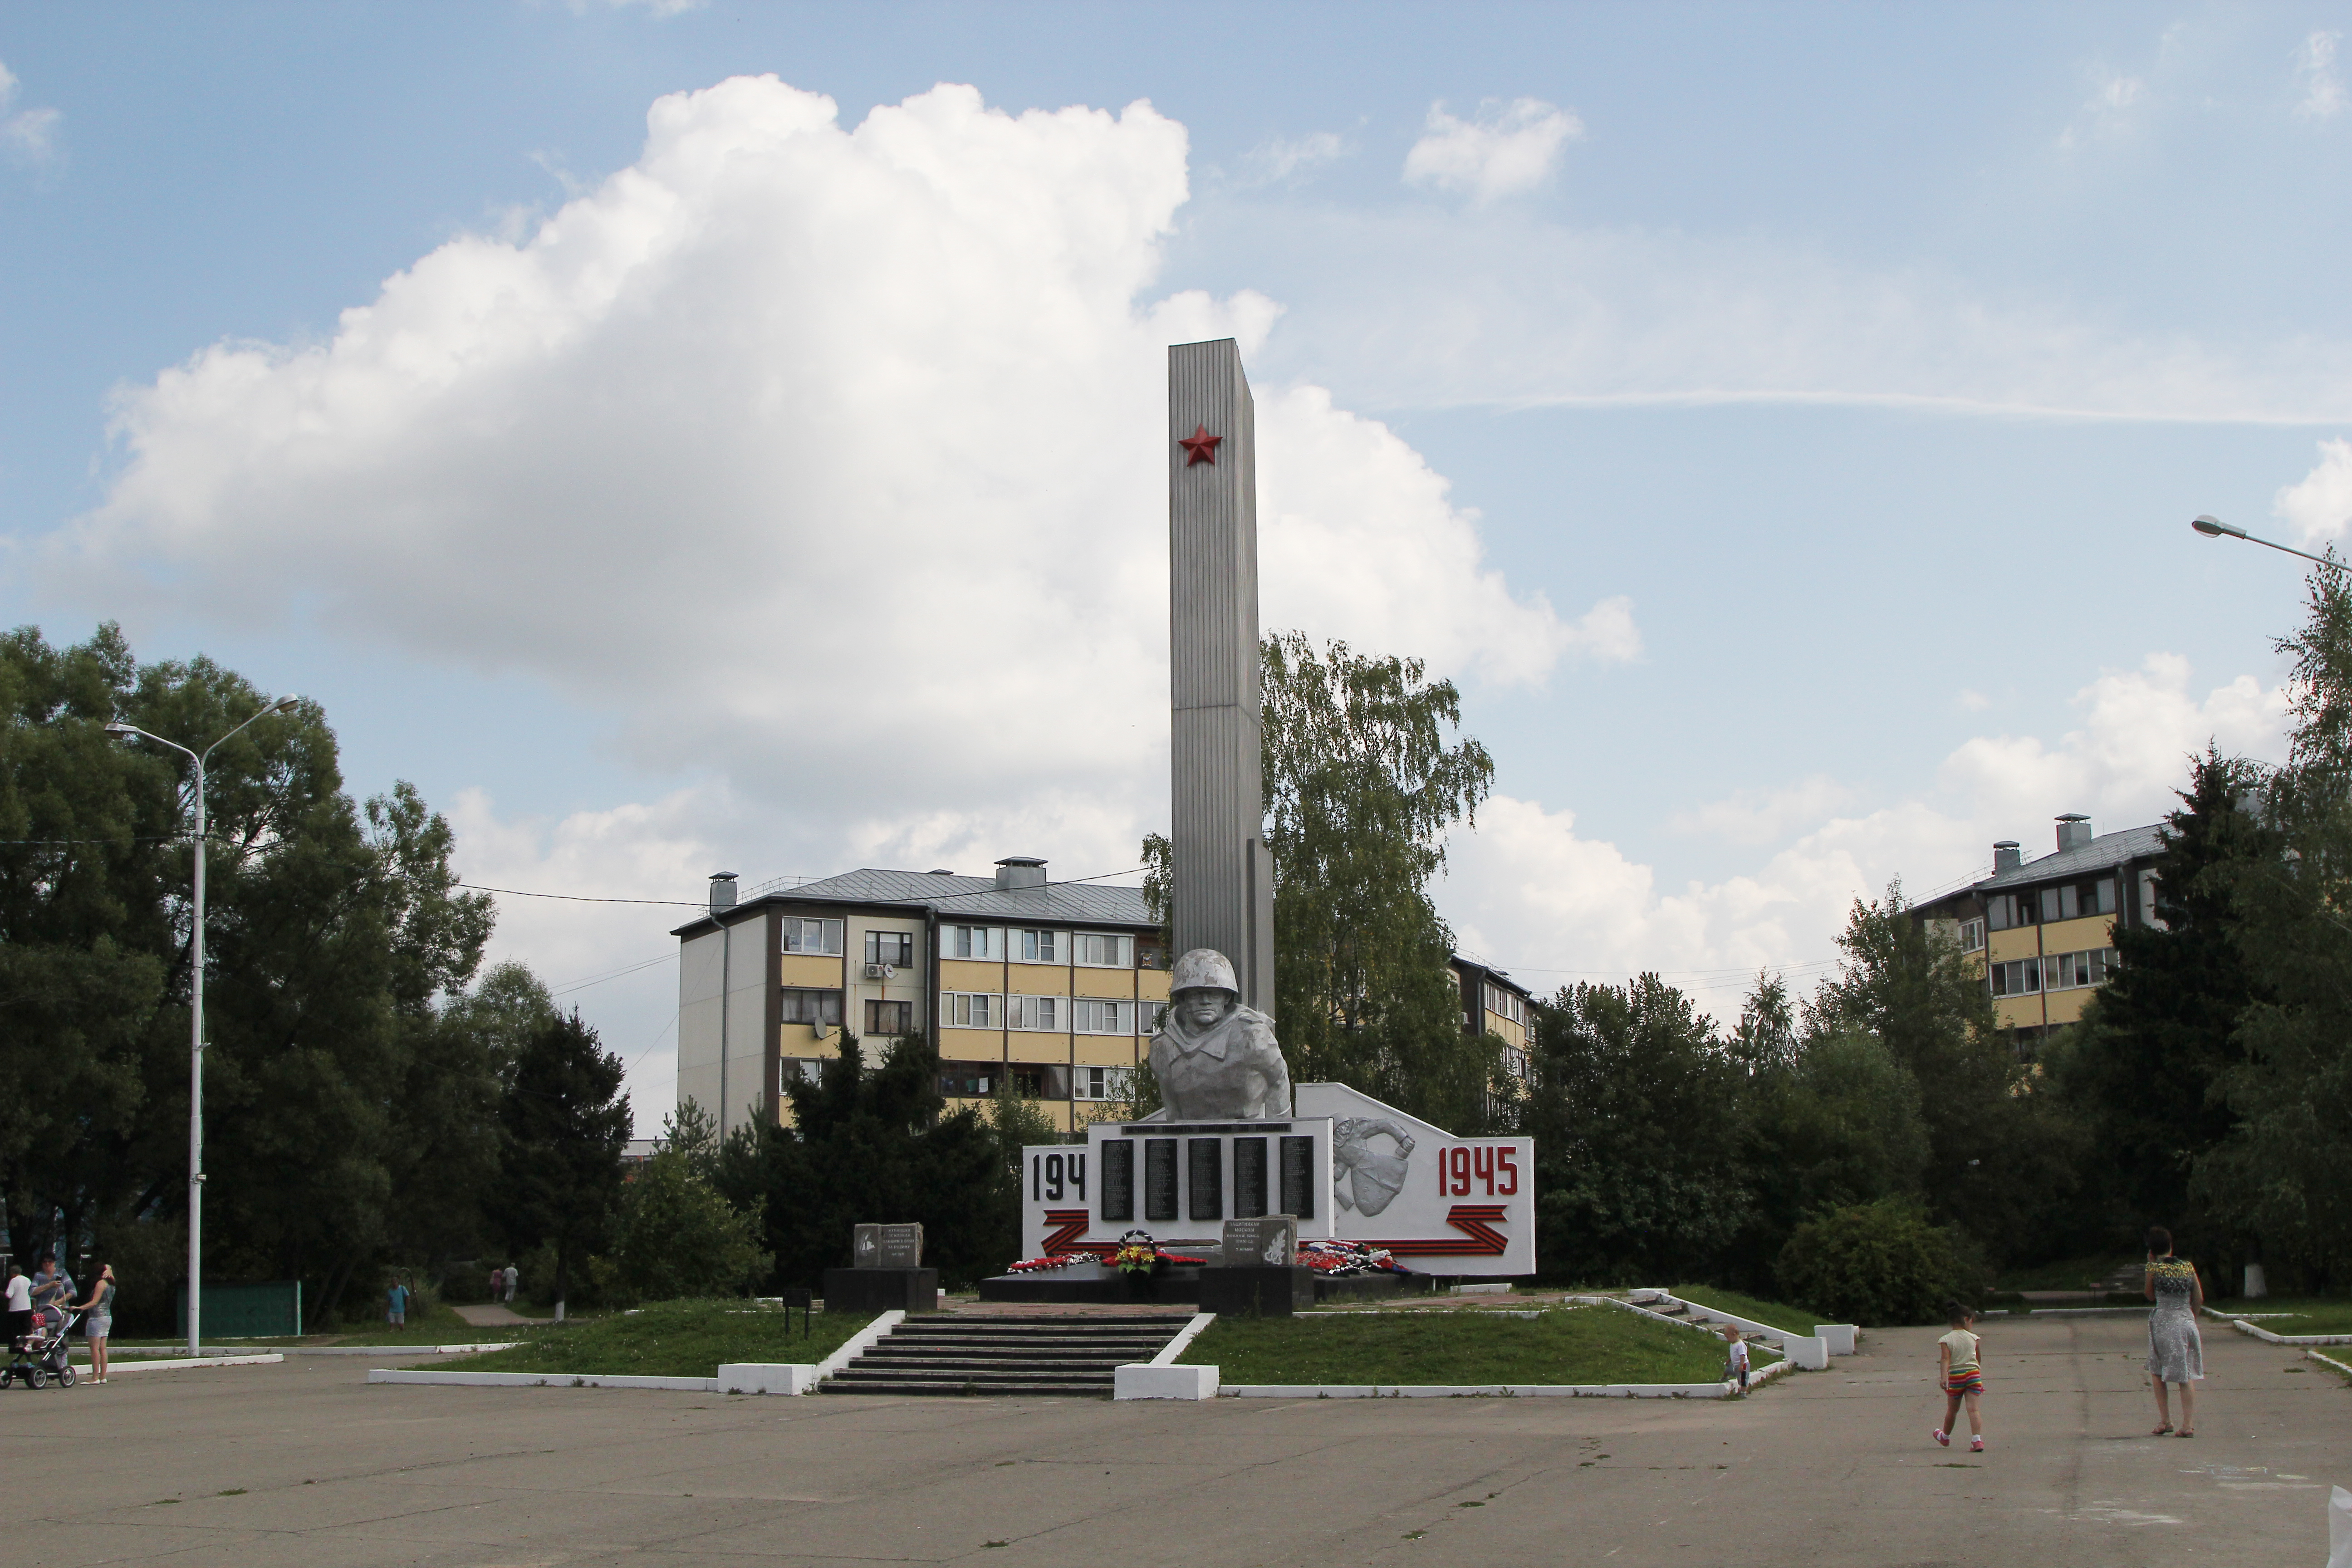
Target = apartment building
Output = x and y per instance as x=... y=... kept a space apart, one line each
x=2040 y=932
x=1494 y=1003
x=1051 y=989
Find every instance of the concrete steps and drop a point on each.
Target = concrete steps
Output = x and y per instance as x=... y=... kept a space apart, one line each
x=1070 y=1353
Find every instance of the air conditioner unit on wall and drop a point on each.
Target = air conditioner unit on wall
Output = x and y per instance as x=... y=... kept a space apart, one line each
x=879 y=971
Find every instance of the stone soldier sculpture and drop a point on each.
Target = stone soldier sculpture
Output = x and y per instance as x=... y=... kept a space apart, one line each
x=1216 y=1060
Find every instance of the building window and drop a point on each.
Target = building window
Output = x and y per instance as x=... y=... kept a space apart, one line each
x=1155 y=1018
x=2023 y=978
x=1091 y=1016
x=800 y=1069
x=811 y=936
x=1037 y=1013
x=1503 y=1004
x=1038 y=1080
x=1972 y=936
x=1100 y=952
x=812 y=1007
x=1037 y=946
x=894 y=947
x=972 y=941
x=889 y=1017
x=2074 y=899
x=1103 y=1083
x=962 y=1010
x=2003 y=911
x=968 y=1081
x=2067 y=971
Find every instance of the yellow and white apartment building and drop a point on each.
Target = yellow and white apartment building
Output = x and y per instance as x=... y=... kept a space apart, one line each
x=2042 y=932
x=1494 y=1003
x=1050 y=989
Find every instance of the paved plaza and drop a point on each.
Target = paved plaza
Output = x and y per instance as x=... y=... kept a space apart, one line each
x=305 y=1465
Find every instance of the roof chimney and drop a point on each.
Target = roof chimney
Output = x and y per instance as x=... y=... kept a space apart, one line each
x=2005 y=857
x=1017 y=871
x=2074 y=830
x=722 y=891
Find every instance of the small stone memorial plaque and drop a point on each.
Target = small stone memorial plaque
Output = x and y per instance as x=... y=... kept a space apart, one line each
x=1269 y=1241
x=1249 y=1176
x=1158 y=1178
x=1298 y=1178
x=1204 y=1177
x=1119 y=1179
x=886 y=1246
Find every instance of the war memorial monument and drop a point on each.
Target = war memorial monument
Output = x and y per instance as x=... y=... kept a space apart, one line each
x=1234 y=1138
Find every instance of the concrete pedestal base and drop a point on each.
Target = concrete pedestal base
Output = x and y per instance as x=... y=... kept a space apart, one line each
x=881 y=1290
x=1257 y=1291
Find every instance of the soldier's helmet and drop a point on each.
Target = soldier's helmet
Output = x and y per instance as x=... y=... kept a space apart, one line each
x=1203 y=967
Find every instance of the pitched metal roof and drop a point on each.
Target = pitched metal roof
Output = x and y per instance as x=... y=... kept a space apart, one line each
x=2103 y=853
x=978 y=898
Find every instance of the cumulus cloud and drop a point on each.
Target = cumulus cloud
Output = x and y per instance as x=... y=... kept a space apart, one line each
x=1531 y=893
x=1508 y=149
x=2315 y=77
x=828 y=460
x=29 y=135
x=2321 y=504
x=1280 y=158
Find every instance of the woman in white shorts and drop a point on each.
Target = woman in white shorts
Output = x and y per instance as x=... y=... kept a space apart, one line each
x=97 y=1319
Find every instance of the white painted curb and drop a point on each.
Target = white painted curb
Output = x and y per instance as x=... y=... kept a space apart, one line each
x=389 y=1351
x=1795 y=1346
x=734 y=1376
x=542 y=1380
x=184 y=1363
x=1500 y=1390
x=2329 y=1360
x=1184 y=1337
x=2257 y=1331
x=864 y=1340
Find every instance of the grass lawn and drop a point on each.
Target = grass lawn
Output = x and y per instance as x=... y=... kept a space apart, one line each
x=1779 y=1314
x=2293 y=1314
x=431 y=1325
x=672 y=1339
x=1574 y=1344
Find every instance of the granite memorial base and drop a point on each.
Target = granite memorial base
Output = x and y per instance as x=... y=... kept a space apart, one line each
x=1366 y=1287
x=881 y=1290
x=1258 y=1291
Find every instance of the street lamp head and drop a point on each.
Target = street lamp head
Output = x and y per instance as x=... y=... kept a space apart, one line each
x=2214 y=528
x=119 y=728
x=286 y=704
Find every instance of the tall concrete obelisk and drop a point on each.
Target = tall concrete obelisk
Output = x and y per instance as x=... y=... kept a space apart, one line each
x=1223 y=892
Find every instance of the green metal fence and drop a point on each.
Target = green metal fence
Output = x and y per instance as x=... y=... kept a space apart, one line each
x=268 y=1310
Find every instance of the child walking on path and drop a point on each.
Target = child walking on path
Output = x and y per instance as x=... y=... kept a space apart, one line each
x=1959 y=1366
x=1734 y=1362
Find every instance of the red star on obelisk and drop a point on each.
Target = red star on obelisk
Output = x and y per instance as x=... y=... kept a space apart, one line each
x=1200 y=445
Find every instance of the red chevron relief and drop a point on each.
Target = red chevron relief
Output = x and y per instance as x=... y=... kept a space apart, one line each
x=1479 y=1238
x=1064 y=1226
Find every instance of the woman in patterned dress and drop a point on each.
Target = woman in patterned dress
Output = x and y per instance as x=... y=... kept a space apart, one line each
x=2176 y=1354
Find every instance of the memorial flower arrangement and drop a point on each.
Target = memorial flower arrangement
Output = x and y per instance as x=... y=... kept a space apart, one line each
x=1040 y=1265
x=1339 y=1258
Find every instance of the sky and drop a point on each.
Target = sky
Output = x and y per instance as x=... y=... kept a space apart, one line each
x=683 y=438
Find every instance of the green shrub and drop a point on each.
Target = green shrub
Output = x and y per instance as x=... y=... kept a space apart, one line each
x=1877 y=1264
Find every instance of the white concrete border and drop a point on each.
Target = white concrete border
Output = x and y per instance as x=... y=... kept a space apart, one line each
x=734 y=1376
x=1184 y=1337
x=1160 y=1377
x=391 y=1351
x=184 y=1363
x=1799 y=1348
x=2328 y=1360
x=1501 y=1390
x=2257 y=1331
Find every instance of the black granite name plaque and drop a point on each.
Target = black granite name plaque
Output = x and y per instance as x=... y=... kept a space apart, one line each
x=1249 y=1177
x=1117 y=1181
x=1204 y=1177
x=1298 y=1178
x=1158 y=1178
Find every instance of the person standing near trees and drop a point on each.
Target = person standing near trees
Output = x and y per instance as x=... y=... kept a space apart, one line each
x=98 y=1320
x=20 y=1302
x=2176 y=1351
x=512 y=1277
x=395 y=1303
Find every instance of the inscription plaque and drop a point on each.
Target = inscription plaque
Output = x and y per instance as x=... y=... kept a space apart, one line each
x=1269 y=1241
x=1118 y=1180
x=886 y=1246
x=1204 y=1177
x=1249 y=1176
x=1298 y=1178
x=1158 y=1178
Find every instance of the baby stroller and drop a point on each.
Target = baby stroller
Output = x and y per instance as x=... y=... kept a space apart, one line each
x=39 y=1354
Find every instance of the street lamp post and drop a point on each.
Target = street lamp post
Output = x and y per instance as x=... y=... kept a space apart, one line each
x=196 y=1010
x=2214 y=528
